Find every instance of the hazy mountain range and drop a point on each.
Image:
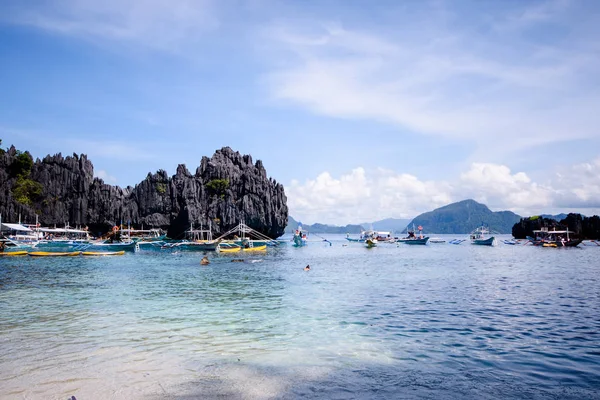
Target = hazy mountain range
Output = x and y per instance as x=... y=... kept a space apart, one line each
x=456 y=218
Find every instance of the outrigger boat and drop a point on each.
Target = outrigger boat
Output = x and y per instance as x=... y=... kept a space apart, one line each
x=381 y=236
x=300 y=237
x=244 y=236
x=412 y=238
x=196 y=240
x=554 y=238
x=370 y=242
x=479 y=237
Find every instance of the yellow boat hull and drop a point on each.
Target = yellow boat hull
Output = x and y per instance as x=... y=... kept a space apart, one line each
x=13 y=253
x=103 y=253
x=230 y=249
x=245 y=249
x=53 y=254
x=256 y=248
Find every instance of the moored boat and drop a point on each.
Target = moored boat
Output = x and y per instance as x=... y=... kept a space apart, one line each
x=413 y=238
x=300 y=237
x=108 y=246
x=554 y=238
x=371 y=242
x=480 y=237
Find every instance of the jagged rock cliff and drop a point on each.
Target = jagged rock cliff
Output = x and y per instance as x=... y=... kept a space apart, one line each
x=72 y=194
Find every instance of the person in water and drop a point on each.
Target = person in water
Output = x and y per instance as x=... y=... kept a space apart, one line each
x=307 y=268
x=204 y=261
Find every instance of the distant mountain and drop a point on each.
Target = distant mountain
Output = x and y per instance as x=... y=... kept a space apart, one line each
x=557 y=217
x=464 y=217
x=388 y=224
x=322 y=228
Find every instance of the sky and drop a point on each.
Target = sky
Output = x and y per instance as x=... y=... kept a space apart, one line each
x=363 y=110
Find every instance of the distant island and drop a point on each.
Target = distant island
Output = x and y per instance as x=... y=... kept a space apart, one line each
x=465 y=216
x=388 y=225
x=292 y=225
x=457 y=218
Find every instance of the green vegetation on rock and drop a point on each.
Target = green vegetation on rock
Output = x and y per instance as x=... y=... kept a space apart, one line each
x=25 y=190
x=218 y=187
x=161 y=188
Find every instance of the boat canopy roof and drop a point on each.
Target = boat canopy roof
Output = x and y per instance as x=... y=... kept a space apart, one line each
x=15 y=227
x=61 y=230
x=547 y=231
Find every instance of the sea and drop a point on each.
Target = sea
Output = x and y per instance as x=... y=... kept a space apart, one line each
x=440 y=321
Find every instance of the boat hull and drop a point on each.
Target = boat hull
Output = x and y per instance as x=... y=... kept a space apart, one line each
x=196 y=246
x=484 y=242
x=132 y=246
x=241 y=249
x=53 y=254
x=13 y=253
x=103 y=253
x=418 y=241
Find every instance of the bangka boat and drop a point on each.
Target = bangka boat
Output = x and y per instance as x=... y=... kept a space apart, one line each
x=108 y=246
x=53 y=254
x=244 y=236
x=371 y=242
x=381 y=236
x=413 y=239
x=480 y=237
x=554 y=238
x=300 y=237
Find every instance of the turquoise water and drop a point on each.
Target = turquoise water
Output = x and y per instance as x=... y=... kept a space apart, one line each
x=416 y=322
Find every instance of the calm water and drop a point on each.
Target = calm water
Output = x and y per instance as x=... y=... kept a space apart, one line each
x=434 y=322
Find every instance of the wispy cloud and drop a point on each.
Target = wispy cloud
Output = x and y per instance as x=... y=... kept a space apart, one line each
x=151 y=23
x=454 y=79
x=102 y=174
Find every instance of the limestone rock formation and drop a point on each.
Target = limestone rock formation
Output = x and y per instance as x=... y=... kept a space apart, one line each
x=225 y=189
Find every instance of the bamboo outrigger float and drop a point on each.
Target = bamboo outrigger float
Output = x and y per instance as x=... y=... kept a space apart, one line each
x=245 y=238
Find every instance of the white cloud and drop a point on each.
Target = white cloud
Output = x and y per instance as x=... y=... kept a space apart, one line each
x=495 y=186
x=102 y=174
x=368 y=195
x=580 y=185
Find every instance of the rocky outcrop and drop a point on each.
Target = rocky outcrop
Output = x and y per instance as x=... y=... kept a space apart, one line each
x=582 y=227
x=72 y=194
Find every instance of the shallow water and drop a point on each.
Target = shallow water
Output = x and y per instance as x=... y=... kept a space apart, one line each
x=416 y=322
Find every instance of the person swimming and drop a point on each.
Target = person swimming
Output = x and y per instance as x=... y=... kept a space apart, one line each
x=307 y=268
x=204 y=261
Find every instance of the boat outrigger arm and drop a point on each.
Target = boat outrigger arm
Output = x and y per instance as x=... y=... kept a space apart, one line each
x=244 y=231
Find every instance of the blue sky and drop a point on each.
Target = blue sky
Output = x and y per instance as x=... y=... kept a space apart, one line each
x=363 y=110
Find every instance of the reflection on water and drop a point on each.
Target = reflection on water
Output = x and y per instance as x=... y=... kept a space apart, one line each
x=438 y=321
